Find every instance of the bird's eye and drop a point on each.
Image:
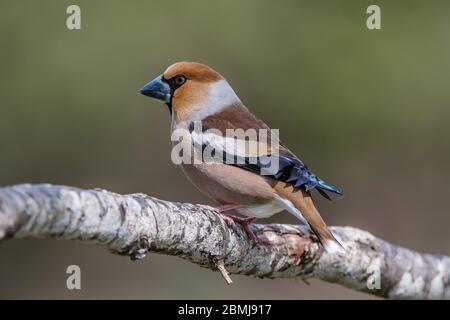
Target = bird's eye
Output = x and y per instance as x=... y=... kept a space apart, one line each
x=179 y=80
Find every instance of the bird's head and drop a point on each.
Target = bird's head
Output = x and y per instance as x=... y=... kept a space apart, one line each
x=191 y=90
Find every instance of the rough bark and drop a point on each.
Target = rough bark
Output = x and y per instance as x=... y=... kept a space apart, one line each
x=135 y=224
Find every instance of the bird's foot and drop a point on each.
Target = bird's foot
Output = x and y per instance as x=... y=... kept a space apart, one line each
x=231 y=223
x=232 y=220
x=244 y=222
x=220 y=210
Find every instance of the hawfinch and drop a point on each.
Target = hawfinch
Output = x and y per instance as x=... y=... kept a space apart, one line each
x=197 y=94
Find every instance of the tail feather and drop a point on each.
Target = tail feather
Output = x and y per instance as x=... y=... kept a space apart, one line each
x=329 y=187
x=300 y=204
x=323 y=193
x=328 y=240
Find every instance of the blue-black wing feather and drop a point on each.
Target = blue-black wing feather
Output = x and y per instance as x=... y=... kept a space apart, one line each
x=290 y=170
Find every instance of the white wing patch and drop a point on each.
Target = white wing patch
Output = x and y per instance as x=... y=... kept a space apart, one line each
x=223 y=145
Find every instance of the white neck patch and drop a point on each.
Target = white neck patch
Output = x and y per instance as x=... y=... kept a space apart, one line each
x=219 y=96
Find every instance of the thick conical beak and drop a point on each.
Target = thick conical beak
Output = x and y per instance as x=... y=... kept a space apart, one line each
x=158 y=88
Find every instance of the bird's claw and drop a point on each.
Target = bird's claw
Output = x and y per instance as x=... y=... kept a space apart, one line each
x=229 y=220
x=232 y=220
x=245 y=223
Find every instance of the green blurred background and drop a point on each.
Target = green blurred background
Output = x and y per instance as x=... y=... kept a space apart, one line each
x=367 y=110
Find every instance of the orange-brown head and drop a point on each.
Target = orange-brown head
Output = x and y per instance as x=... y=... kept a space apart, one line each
x=191 y=90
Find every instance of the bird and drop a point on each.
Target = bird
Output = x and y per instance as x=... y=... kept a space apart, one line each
x=203 y=108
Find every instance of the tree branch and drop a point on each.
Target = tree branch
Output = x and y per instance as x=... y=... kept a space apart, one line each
x=135 y=224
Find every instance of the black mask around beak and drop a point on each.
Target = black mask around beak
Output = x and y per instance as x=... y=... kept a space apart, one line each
x=159 y=89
